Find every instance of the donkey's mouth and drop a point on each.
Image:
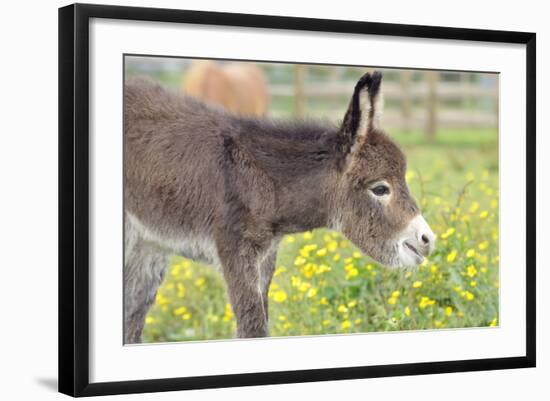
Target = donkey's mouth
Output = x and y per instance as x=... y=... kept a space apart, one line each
x=413 y=250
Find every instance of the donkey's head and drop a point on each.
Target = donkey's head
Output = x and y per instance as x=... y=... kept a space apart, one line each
x=374 y=208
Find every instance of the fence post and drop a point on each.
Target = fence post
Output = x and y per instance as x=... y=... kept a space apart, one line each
x=299 y=96
x=432 y=78
x=406 y=104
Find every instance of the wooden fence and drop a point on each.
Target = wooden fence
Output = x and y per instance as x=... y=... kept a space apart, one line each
x=427 y=104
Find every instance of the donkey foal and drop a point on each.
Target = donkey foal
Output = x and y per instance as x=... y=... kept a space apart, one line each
x=223 y=189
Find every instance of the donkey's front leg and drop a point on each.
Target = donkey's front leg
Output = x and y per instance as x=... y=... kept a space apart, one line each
x=267 y=268
x=242 y=275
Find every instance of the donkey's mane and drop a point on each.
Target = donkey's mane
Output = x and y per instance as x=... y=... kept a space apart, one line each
x=295 y=146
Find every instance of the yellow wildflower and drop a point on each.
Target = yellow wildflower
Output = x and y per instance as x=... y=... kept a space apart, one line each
x=180 y=311
x=448 y=311
x=228 y=313
x=279 y=296
x=175 y=270
x=312 y=292
x=323 y=301
x=308 y=235
x=484 y=214
x=149 y=320
x=279 y=270
x=483 y=245
x=346 y=324
x=450 y=231
x=200 y=282
x=417 y=284
x=351 y=272
x=471 y=271
x=161 y=299
x=474 y=207
x=493 y=323
x=342 y=308
x=470 y=253
x=352 y=304
x=467 y=295
x=290 y=239
x=392 y=300
x=322 y=252
x=425 y=302
x=299 y=261
x=395 y=294
x=181 y=290
x=451 y=256
x=309 y=269
x=323 y=269
x=407 y=311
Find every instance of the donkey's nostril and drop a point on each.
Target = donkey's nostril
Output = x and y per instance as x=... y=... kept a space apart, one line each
x=425 y=239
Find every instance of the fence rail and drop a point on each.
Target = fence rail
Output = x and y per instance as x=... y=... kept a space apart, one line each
x=422 y=104
x=445 y=90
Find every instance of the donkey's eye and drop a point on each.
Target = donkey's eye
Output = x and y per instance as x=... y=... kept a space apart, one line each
x=381 y=190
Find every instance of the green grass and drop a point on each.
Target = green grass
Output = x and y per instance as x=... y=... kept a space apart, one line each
x=324 y=285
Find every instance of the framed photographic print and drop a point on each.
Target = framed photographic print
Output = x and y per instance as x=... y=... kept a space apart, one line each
x=251 y=199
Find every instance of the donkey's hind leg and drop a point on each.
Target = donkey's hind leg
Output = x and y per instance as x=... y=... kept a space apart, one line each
x=144 y=267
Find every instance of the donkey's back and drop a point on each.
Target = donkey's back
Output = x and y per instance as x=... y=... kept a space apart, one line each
x=172 y=151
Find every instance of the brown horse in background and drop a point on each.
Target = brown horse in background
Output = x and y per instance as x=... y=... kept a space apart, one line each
x=238 y=87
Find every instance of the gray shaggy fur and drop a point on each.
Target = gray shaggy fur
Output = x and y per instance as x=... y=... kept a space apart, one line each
x=224 y=189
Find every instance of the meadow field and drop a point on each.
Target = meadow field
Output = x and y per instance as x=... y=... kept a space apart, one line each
x=324 y=285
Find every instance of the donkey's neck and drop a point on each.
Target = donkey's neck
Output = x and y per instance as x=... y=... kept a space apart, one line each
x=304 y=202
x=301 y=211
x=302 y=158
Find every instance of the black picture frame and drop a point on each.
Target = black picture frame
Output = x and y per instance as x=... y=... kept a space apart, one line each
x=74 y=198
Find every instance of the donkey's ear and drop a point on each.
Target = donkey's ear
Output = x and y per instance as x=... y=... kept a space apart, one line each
x=365 y=107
